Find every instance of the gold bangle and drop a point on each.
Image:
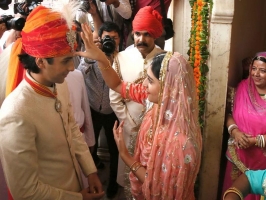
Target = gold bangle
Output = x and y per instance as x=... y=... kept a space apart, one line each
x=108 y=67
x=132 y=164
x=233 y=190
x=135 y=166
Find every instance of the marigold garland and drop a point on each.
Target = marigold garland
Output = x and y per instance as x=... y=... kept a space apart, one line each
x=198 y=51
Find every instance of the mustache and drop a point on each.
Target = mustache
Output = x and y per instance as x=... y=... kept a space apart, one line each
x=142 y=44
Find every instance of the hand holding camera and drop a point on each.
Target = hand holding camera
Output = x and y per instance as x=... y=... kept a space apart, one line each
x=2 y=29
x=11 y=22
x=98 y=43
x=107 y=44
x=89 y=6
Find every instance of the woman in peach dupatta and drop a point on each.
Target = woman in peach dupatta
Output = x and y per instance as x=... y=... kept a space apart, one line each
x=168 y=149
x=169 y=141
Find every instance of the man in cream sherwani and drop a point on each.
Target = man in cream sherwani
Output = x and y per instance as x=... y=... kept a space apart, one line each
x=131 y=66
x=41 y=147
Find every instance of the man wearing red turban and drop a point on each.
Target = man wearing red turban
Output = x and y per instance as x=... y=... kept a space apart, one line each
x=131 y=65
x=41 y=147
x=156 y=5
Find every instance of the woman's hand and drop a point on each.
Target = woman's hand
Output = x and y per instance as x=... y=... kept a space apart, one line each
x=119 y=138
x=252 y=140
x=241 y=139
x=92 y=51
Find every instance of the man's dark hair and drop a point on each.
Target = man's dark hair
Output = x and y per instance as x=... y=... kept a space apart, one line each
x=30 y=64
x=108 y=27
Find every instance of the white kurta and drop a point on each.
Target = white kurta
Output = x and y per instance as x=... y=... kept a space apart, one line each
x=132 y=65
x=80 y=104
x=123 y=11
x=41 y=150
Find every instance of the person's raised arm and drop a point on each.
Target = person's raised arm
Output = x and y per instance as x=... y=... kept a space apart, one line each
x=96 y=17
x=122 y=7
x=93 y=52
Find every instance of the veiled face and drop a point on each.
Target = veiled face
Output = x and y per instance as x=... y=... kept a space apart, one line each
x=258 y=74
x=153 y=86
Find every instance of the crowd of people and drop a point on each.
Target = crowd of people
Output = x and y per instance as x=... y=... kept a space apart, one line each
x=64 y=78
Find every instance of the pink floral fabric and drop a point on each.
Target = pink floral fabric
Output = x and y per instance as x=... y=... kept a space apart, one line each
x=172 y=160
x=249 y=113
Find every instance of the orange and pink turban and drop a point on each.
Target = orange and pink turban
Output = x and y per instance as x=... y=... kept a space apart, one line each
x=150 y=20
x=46 y=34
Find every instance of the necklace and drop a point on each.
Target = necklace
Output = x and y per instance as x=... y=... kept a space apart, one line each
x=263 y=96
x=44 y=91
x=57 y=101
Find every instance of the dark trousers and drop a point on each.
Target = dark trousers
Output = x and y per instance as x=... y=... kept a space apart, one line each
x=107 y=122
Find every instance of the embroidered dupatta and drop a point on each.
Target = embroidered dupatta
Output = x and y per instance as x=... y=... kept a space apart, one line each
x=172 y=161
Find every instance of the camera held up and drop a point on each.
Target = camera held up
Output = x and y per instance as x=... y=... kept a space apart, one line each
x=108 y=45
x=24 y=8
x=4 y=4
x=12 y=22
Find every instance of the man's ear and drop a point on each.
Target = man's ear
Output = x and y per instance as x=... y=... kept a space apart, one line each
x=40 y=62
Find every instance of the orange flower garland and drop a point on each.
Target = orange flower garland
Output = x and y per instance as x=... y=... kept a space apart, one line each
x=198 y=53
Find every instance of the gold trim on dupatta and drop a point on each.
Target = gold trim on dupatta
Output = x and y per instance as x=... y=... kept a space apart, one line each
x=163 y=70
x=234 y=157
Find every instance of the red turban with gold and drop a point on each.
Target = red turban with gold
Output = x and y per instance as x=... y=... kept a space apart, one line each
x=47 y=33
x=150 y=20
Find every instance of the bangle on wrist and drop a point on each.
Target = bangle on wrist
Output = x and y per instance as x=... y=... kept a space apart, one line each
x=107 y=67
x=135 y=166
x=260 y=141
x=234 y=190
x=231 y=128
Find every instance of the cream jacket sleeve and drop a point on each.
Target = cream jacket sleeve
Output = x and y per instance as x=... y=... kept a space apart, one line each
x=81 y=150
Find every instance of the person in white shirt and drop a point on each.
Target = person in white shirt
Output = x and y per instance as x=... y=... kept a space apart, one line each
x=102 y=114
x=111 y=10
x=81 y=109
x=131 y=66
x=81 y=105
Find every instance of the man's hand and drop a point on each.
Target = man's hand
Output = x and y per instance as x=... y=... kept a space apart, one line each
x=98 y=43
x=95 y=185
x=93 y=8
x=2 y=28
x=91 y=196
x=116 y=3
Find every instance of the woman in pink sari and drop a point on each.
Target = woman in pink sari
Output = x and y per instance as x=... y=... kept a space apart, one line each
x=167 y=155
x=247 y=125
